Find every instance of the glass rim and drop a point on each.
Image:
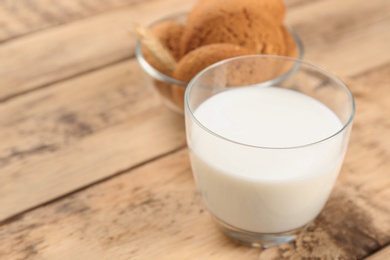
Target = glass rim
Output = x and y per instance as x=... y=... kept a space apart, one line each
x=163 y=77
x=318 y=68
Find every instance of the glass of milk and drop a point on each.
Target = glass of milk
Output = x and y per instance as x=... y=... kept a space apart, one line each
x=267 y=136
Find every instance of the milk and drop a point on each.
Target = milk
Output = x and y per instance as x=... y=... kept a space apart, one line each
x=246 y=182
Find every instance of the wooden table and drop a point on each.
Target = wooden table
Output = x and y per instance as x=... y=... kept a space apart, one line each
x=93 y=166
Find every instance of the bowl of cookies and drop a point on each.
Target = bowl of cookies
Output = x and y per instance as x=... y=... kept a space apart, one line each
x=174 y=49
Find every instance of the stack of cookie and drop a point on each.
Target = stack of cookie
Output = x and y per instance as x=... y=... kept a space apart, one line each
x=216 y=30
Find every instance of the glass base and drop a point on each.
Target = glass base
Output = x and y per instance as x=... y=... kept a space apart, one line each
x=259 y=239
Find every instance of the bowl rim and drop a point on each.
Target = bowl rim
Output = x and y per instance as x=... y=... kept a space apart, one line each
x=154 y=73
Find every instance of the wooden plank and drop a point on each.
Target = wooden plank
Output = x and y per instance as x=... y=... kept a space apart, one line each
x=381 y=255
x=154 y=212
x=322 y=21
x=19 y=18
x=95 y=42
x=343 y=41
x=126 y=217
x=52 y=55
x=295 y=3
x=61 y=138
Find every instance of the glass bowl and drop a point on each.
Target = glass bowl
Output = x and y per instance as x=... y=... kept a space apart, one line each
x=171 y=90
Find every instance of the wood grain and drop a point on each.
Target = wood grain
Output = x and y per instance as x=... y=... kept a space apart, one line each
x=66 y=136
x=295 y=3
x=72 y=134
x=381 y=255
x=51 y=123
x=22 y=17
x=98 y=41
x=129 y=218
x=343 y=41
x=124 y=218
x=18 y=18
x=52 y=55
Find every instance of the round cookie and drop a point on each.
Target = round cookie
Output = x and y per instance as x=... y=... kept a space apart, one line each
x=274 y=9
x=169 y=34
x=197 y=60
x=246 y=23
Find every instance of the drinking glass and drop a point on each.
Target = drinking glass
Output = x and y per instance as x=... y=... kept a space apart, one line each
x=263 y=195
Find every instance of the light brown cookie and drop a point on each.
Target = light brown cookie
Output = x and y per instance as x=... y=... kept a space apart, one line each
x=197 y=60
x=273 y=9
x=204 y=56
x=169 y=34
x=247 y=72
x=246 y=23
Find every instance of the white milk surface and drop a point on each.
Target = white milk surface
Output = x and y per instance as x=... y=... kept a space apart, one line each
x=256 y=188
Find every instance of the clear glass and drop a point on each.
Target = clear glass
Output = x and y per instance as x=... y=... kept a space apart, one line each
x=253 y=210
x=171 y=90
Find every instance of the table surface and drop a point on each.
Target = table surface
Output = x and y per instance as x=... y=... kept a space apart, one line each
x=93 y=166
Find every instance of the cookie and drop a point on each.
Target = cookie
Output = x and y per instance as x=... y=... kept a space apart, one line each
x=197 y=60
x=246 y=23
x=274 y=9
x=248 y=72
x=169 y=34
